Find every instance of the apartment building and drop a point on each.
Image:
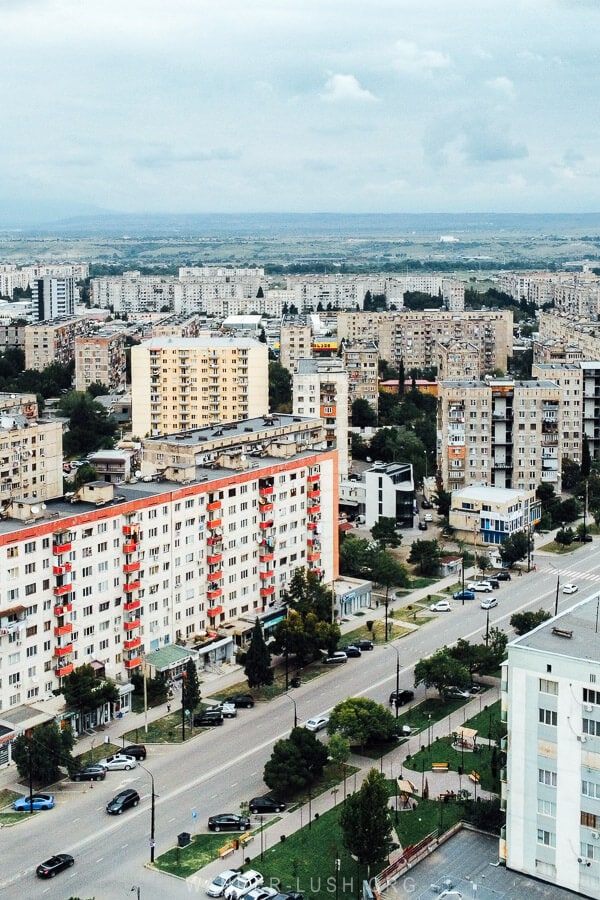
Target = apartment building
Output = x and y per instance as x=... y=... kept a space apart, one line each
x=348 y=291
x=100 y=359
x=118 y=575
x=30 y=453
x=12 y=276
x=295 y=342
x=571 y=379
x=53 y=297
x=488 y=515
x=551 y=784
x=390 y=492
x=53 y=341
x=185 y=326
x=571 y=293
x=12 y=333
x=456 y=360
x=320 y=388
x=499 y=433
x=572 y=332
x=361 y=360
x=183 y=383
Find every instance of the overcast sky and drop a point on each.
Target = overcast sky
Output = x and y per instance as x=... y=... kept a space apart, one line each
x=299 y=106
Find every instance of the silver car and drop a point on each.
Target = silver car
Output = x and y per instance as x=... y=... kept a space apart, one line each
x=119 y=761
x=218 y=885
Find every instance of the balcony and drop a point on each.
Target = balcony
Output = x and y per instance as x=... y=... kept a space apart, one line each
x=215 y=576
x=133 y=623
x=132 y=586
x=214 y=523
x=312 y=479
x=267 y=591
x=268 y=574
x=132 y=604
x=61 y=671
x=61 y=610
x=266 y=491
x=131 y=530
x=312 y=526
x=503 y=775
x=61 y=570
x=315 y=494
x=58 y=549
x=63 y=629
x=266 y=507
x=130 y=547
x=132 y=643
x=313 y=510
x=314 y=557
x=213 y=559
x=266 y=557
x=133 y=663
x=213 y=593
x=214 y=541
x=131 y=567
x=216 y=504
x=62 y=589
x=63 y=651
x=265 y=525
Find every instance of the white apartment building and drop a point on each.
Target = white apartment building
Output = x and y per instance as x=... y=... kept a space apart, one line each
x=183 y=383
x=320 y=388
x=499 y=433
x=12 y=276
x=389 y=492
x=53 y=297
x=295 y=342
x=551 y=783
x=117 y=575
x=572 y=293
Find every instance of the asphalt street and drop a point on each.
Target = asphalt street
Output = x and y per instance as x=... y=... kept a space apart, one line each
x=222 y=767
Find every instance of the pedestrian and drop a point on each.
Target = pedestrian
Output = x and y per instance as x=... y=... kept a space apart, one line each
x=168 y=707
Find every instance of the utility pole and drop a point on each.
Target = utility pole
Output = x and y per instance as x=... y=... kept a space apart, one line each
x=557 y=590
x=183 y=678
x=487 y=628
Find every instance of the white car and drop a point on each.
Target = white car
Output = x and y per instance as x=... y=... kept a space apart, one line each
x=428 y=517
x=480 y=586
x=219 y=884
x=119 y=761
x=229 y=710
x=570 y=589
x=489 y=603
x=261 y=893
x=441 y=606
x=317 y=724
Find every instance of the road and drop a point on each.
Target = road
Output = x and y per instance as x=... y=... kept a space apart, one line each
x=219 y=769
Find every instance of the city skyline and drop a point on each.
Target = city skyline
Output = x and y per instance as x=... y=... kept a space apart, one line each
x=299 y=106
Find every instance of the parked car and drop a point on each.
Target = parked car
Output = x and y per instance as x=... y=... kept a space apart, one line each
x=399 y=698
x=119 y=761
x=364 y=644
x=484 y=586
x=441 y=606
x=51 y=867
x=457 y=693
x=220 y=882
x=122 y=801
x=261 y=893
x=422 y=526
x=228 y=822
x=317 y=723
x=229 y=710
x=338 y=657
x=493 y=581
x=90 y=773
x=502 y=575
x=426 y=504
x=38 y=801
x=242 y=701
x=245 y=882
x=138 y=751
x=351 y=650
x=475 y=689
x=265 y=804
x=583 y=538
x=464 y=595
x=489 y=603
x=208 y=717
x=428 y=517
x=570 y=589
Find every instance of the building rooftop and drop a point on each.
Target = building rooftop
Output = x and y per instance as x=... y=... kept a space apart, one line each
x=491 y=494
x=203 y=343
x=573 y=633
x=315 y=366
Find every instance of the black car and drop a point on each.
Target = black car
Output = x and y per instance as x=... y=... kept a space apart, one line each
x=242 y=701
x=426 y=504
x=267 y=804
x=583 y=539
x=51 y=867
x=503 y=575
x=364 y=644
x=493 y=581
x=123 y=800
x=138 y=751
x=422 y=526
x=352 y=650
x=228 y=822
x=399 y=698
x=208 y=717
x=90 y=773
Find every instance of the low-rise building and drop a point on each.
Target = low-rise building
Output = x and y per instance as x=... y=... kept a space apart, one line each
x=488 y=515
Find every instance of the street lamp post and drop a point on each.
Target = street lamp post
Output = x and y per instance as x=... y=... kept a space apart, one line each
x=397 y=704
x=429 y=731
x=183 y=692
x=557 y=591
x=152 y=812
x=487 y=627
x=295 y=709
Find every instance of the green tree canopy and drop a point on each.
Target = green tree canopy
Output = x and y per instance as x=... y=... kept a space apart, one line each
x=295 y=763
x=90 y=427
x=526 y=621
x=280 y=388
x=515 y=547
x=190 y=686
x=442 y=671
x=427 y=555
x=363 y=414
x=362 y=721
x=366 y=821
x=306 y=594
x=85 y=692
x=385 y=533
x=50 y=747
x=258 y=668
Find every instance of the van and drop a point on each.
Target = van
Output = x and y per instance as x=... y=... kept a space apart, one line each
x=245 y=882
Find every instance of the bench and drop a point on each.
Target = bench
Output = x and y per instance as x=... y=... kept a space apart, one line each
x=439 y=767
x=475 y=777
x=246 y=838
x=226 y=850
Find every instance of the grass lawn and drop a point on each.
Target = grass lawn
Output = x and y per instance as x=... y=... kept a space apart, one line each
x=96 y=753
x=487 y=722
x=442 y=751
x=560 y=549
x=11 y=818
x=429 y=712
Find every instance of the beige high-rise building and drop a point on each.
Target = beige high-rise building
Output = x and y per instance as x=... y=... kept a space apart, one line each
x=295 y=342
x=361 y=359
x=53 y=341
x=320 y=388
x=456 y=360
x=100 y=359
x=179 y=384
x=571 y=377
x=499 y=433
x=30 y=453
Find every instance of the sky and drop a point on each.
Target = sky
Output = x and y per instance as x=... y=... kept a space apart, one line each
x=350 y=106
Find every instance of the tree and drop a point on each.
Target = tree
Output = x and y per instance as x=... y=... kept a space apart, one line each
x=355 y=556
x=442 y=671
x=443 y=500
x=258 y=668
x=190 y=686
x=97 y=389
x=483 y=562
x=362 y=721
x=295 y=763
x=48 y=747
x=90 y=427
x=527 y=621
x=156 y=688
x=565 y=536
x=363 y=414
x=427 y=554
x=85 y=692
x=515 y=547
x=280 y=388
x=366 y=821
x=306 y=595
x=339 y=750
x=385 y=533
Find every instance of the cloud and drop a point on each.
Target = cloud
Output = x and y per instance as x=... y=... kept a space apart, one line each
x=502 y=85
x=483 y=144
x=345 y=88
x=413 y=60
x=161 y=157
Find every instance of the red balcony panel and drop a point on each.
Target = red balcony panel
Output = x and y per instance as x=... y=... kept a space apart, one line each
x=266 y=507
x=214 y=593
x=63 y=629
x=267 y=524
x=132 y=604
x=265 y=491
x=132 y=586
x=131 y=567
x=129 y=547
x=215 y=576
x=216 y=504
x=311 y=526
x=131 y=644
x=131 y=530
x=64 y=650
x=267 y=591
x=61 y=589
x=61 y=671
x=57 y=549
x=212 y=560
x=61 y=570
x=266 y=557
x=61 y=610
x=133 y=623
x=214 y=541
x=313 y=510
x=313 y=478
x=214 y=523
x=313 y=557
x=133 y=663
x=314 y=493
x=268 y=574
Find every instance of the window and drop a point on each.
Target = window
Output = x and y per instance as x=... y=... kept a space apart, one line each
x=547 y=808
x=589 y=820
x=589 y=696
x=548 y=838
x=547 y=717
x=545 y=776
x=548 y=687
x=590 y=726
x=590 y=789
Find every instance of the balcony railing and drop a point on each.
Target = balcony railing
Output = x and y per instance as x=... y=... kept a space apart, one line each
x=131 y=567
x=63 y=651
x=133 y=623
x=61 y=671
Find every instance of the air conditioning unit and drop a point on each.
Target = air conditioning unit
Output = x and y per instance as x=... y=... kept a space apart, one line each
x=588 y=708
x=596 y=835
x=582 y=738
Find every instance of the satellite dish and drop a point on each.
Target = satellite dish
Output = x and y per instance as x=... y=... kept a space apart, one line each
x=35 y=510
x=243 y=457
x=138 y=473
x=43 y=506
